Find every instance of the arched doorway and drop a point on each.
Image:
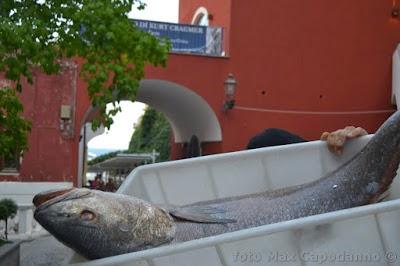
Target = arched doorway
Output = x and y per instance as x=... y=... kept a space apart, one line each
x=187 y=112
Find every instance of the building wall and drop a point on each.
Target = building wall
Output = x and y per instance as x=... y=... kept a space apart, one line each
x=51 y=154
x=201 y=74
x=310 y=56
x=219 y=14
x=305 y=66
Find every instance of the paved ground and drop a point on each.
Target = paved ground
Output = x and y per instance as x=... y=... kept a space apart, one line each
x=44 y=251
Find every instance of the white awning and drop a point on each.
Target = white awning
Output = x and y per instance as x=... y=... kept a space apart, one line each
x=124 y=161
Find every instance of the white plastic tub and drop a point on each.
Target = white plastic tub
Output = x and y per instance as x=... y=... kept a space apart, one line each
x=367 y=235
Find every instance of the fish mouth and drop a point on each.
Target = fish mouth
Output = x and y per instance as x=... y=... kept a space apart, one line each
x=45 y=200
x=42 y=197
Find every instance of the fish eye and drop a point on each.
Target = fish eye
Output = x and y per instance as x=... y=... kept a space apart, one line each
x=87 y=215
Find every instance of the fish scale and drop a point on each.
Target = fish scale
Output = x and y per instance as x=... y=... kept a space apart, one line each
x=100 y=224
x=360 y=181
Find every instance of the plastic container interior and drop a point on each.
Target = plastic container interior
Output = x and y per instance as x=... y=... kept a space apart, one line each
x=367 y=235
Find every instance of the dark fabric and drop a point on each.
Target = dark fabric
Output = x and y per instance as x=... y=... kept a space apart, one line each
x=194 y=149
x=273 y=137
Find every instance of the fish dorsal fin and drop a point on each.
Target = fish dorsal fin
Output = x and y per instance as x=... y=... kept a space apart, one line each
x=201 y=214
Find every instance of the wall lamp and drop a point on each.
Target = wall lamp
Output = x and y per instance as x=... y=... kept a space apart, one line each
x=230 y=88
x=395 y=12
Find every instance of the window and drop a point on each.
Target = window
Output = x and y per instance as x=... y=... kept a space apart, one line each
x=10 y=164
x=201 y=17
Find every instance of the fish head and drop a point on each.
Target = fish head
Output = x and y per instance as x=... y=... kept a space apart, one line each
x=99 y=224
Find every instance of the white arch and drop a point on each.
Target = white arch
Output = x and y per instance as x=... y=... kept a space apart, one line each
x=188 y=113
x=200 y=13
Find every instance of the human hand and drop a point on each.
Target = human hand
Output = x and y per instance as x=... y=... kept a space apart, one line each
x=337 y=139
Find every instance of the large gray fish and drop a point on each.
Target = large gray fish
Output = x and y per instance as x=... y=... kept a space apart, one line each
x=98 y=224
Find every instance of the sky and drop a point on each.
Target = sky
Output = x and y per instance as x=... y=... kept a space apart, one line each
x=119 y=135
x=158 y=10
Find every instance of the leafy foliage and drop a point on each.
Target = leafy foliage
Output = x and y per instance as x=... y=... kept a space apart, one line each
x=104 y=157
x=114 y=52
x=8 y=209
x=152 y=133
x=3 y=212
x=11 y=207
x=2 y=242
x=14 y=128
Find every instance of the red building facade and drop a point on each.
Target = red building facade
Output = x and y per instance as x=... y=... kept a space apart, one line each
x=306 y=67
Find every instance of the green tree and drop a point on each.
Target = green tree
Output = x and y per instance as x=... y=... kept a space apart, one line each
x=104 y=157
x=41 y=34
x=152 y=133
x=8 y=209
x=13 y=128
